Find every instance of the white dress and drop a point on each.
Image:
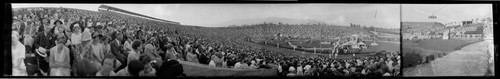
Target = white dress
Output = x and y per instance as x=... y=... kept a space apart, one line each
x=76 y=38
x=300 y=71
x=18 y=54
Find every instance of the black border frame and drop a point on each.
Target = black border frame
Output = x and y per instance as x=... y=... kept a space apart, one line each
x=5 y=36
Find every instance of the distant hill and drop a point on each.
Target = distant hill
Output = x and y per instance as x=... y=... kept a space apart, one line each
x=276 y=20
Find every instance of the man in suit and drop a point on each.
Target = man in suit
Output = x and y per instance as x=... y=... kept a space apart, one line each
x=43 y=42
x=118 y=51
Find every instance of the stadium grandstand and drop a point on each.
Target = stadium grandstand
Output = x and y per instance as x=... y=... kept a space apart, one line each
x=121 y=11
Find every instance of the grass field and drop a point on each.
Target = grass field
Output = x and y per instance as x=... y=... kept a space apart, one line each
x=416 y=51
x=325 y=48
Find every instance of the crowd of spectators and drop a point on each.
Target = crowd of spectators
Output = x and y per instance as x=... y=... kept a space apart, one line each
x=297 y=30
x=74 y=42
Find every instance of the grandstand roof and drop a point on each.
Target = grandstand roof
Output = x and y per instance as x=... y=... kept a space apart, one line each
x=133 y=13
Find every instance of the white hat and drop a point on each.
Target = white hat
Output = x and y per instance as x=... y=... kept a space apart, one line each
x=387 y=74
x=41 y=52
x=291 y=69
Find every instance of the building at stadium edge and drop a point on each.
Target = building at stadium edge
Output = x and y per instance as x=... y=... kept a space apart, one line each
x=121 y=11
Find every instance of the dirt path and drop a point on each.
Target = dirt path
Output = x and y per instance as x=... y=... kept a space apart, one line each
x=471 y=60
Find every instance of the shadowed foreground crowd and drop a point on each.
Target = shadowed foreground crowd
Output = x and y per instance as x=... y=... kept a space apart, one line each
x=73 y=42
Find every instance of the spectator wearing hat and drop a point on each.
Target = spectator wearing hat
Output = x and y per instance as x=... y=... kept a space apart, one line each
x=75 y=41
x=60 y=58
x=118 y=51
x=76 y=35
x=58 y=25
x=18 y=56
x=43 y=41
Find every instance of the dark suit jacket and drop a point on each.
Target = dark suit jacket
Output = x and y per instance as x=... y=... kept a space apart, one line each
x=116 y=49
x=45 y=41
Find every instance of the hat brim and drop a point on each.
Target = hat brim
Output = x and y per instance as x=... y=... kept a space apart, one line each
x=40 y=53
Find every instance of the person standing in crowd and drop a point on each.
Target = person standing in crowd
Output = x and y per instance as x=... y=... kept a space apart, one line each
x=117 y=50
x=43 y=42
x=59 y=59
x=18 y=56
x=135 y=52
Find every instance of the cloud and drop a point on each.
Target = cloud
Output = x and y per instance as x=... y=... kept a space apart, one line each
x=449 y=12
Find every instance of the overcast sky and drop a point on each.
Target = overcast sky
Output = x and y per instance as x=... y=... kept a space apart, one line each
x=378 y=15
x=447 y=13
